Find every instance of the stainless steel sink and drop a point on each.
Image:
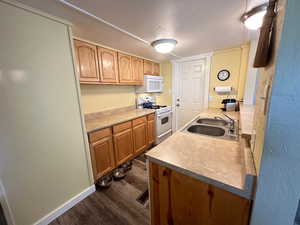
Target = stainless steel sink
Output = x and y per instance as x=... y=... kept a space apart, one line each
x=206 y=130
x=210 y=121
x=214 y=127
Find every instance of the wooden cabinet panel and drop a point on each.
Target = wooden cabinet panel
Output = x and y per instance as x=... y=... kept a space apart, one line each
x=151 y=129
x=180 y=199
x=139 y=121
x=108 y=63
x=156 y=69
x=125 y=70
x=140 y=138
x=123 y=144
x=148 y=67
x=122 y=126
x=151 y=116
x=99 y=134
x=102 y=157
x=137 y=70
x=87 y=63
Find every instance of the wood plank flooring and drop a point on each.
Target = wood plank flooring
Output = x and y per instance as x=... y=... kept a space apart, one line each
x=116 y=205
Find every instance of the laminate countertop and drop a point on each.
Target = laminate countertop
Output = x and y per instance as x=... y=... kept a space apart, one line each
x=220 y=162
x=104 y=119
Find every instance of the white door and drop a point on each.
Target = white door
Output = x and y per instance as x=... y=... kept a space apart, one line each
x=191 y=87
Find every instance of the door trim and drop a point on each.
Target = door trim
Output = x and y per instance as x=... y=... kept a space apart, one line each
x=175 y=73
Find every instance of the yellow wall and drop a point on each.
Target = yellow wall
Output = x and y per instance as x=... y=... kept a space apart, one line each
x=236 y=61
x=266 y=78
x=95 y=98
x=165 y=98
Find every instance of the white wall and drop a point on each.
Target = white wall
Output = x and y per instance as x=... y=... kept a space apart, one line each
x=43 y=159
x=252 y=76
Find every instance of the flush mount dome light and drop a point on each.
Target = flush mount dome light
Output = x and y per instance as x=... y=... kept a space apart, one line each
x=254 y=19
x=164 y=45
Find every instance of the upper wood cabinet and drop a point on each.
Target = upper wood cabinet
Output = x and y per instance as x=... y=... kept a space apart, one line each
x=98 y=65
x=125 y=69
x=148 y=67
x=137 y=70
x=151 y=68
x=108 y=63
x=87 y=62
x=156 y=69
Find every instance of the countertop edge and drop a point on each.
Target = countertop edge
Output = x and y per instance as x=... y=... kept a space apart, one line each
x=121 y=121
x=241 y=192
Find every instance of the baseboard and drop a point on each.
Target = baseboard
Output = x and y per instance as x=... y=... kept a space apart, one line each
x=66 y=206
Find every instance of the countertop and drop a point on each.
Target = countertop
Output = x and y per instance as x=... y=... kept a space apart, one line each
x=216 y=161
x=104 y=119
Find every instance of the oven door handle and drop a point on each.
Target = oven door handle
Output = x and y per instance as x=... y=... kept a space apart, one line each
x=167 y=132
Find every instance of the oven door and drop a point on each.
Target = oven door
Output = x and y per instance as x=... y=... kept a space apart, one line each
x=163 y=123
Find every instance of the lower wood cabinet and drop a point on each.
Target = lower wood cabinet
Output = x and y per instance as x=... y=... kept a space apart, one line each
x=140 y=137
x=110 y=147
x=123 y=144
x=151 y=128
x=176 y=198
x=102 y=153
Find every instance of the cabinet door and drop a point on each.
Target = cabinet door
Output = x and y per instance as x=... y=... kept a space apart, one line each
x=156 y=70
x=102 y=157
x=87 y=63
x=173 y=199
x=140 y=138
x=148 y=67
x=125 y=70
x=151 y=131
x=137 y=70
x=108 y=63
x=123 y=146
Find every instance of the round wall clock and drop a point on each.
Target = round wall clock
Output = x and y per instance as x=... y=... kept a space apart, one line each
x=223 y=75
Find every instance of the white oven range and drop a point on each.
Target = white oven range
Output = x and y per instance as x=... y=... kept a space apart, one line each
x=163 y=117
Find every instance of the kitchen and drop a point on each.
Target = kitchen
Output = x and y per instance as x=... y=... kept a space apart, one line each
x=114 y=116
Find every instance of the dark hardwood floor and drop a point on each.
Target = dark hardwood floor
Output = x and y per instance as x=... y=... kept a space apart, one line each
x=116 y=205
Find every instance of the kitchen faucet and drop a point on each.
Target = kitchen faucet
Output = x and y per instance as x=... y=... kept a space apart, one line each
x=231 y=122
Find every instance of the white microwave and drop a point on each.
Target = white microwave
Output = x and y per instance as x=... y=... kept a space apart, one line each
x=152 y=84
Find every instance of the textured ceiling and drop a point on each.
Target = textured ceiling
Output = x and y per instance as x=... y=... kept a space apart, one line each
x=199 y=26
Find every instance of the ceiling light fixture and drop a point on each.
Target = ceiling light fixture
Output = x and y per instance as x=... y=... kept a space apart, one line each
x=254 y=19
x=164 y=45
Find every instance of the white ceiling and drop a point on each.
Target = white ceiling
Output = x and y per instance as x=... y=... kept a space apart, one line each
x=199 y=26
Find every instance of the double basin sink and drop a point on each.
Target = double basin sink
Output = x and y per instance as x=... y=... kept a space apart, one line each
x=215 y=127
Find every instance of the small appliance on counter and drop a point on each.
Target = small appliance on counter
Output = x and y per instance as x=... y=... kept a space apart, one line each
x=163 y=116
x=230 y=104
